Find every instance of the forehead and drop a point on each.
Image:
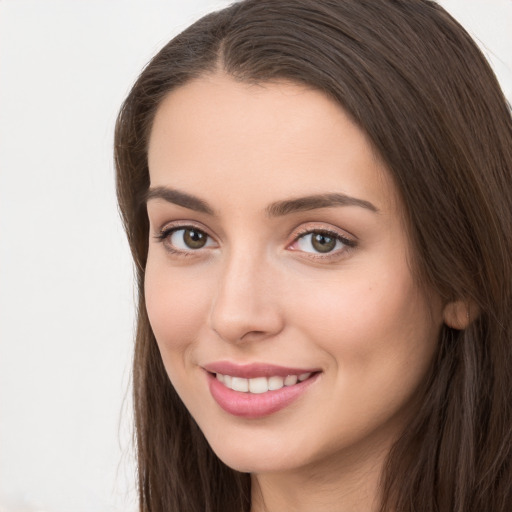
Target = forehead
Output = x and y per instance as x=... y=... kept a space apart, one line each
x=272 y=139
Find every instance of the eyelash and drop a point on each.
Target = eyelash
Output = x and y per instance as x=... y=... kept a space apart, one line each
x=348 y=243
x=166 y=233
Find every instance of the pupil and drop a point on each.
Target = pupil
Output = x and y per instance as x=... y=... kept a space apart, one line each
x=323 y=243
x=194 y=239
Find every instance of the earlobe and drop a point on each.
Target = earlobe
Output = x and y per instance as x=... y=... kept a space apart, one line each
x=458 y=314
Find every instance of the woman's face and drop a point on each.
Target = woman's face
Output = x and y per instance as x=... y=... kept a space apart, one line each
x=278 y=259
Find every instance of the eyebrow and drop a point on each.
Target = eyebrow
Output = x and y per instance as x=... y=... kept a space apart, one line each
x=315 y=202
x=276 y=209
x=179 y=198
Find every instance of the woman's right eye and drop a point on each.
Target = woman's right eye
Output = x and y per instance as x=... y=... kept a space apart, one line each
x=185 y=239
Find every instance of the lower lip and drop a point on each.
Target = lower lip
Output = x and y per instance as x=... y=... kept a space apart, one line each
x=256 y=405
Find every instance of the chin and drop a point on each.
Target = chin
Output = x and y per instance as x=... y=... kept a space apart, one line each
x=256 y=461
x=261 y=454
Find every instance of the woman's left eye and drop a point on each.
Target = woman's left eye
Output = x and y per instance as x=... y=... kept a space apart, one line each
x=321 y=242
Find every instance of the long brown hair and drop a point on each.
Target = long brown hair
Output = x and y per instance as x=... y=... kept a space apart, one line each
x=416 y=83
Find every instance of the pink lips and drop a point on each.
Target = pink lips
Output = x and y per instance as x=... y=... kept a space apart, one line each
x=249 y=405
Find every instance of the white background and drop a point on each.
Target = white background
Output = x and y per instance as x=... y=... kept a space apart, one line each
x=66 y=298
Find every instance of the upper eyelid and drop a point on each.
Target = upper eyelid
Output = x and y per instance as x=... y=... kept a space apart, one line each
x=346 y=241
x=176 y=225
x=319 y=230
x=306 y=228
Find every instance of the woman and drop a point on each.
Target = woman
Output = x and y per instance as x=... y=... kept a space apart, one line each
x=318 y=199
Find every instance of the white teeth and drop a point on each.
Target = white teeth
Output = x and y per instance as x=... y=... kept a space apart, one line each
x=290 y=380
x=259 y=385
x=275 y=383
x=239 y=384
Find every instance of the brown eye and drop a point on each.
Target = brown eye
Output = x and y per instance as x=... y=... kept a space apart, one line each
x=194 y=239
x=322 y=242
x=187 y=239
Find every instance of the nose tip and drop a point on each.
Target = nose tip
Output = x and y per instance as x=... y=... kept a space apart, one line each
x=245 y=307
x=237 y=332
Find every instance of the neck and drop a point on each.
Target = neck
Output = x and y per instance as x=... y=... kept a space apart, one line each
x=339 y=484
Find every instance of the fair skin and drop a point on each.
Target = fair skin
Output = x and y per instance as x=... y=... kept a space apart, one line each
x=325 y=287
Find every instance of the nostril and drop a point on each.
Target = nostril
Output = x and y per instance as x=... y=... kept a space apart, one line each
x=253 y=334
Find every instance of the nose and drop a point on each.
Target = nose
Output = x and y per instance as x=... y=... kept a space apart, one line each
x=246 y=306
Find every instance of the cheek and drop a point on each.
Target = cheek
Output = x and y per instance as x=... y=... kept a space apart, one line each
x=376 y=321
x=177 y=304
x=379 y=339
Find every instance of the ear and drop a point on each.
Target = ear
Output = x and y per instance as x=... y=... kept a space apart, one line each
x=459 y=314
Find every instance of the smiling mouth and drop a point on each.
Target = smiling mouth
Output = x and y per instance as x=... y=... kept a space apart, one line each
x=258 y=385
x=257 y=390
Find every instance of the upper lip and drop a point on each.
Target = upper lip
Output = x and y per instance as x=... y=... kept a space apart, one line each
x=253 y=370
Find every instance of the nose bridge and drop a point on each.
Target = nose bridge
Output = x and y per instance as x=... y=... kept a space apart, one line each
x=244 y=306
